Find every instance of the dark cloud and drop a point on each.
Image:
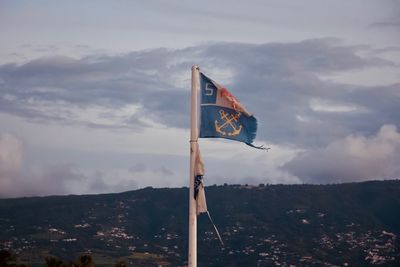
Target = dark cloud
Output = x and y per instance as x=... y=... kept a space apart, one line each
x=276 y=81
x=280 y=80
x=354 y=158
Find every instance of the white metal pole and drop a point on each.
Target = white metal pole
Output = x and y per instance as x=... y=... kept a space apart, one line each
x=192 y=257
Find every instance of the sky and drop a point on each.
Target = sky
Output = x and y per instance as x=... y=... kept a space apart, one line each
x=95 y=95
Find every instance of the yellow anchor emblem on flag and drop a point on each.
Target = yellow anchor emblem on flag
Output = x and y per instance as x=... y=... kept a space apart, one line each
x=229 y=121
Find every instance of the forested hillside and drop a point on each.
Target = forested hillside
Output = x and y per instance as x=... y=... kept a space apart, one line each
x=265 y=225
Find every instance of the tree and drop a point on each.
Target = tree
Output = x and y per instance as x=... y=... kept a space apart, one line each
x=5 y=256
x=54 y=262
x=86 y=261
x=121 y=264
x=9 y=260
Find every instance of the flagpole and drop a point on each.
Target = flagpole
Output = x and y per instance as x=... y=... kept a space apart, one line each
x=192 y=251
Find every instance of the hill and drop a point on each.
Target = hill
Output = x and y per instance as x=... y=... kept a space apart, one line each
x=356 y=224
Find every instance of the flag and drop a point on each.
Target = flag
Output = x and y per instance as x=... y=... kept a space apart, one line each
x=199 y=194
x=223 y=116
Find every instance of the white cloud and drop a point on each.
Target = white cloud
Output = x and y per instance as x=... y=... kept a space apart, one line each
x=10 y=154
x=322 y=105
x=11 y=148
x=354 y=158
x=16 y=179
x=122 y=111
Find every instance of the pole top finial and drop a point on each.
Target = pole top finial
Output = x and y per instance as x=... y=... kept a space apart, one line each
x=195 y=67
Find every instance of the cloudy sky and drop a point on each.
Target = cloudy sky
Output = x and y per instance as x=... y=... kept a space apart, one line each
x=94 y=95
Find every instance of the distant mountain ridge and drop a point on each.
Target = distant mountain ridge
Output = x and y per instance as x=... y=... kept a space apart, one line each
x=357 y=224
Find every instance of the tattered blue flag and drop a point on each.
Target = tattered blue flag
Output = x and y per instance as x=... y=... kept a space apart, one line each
x=222 y=115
